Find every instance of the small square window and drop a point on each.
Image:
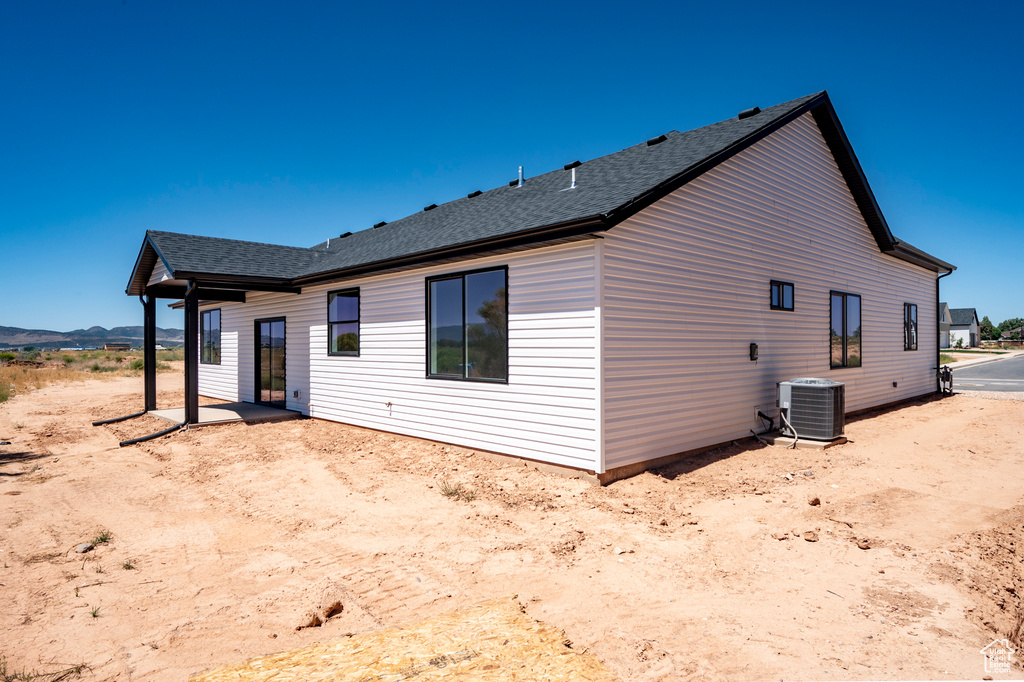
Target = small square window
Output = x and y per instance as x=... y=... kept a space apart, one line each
x=782 y=295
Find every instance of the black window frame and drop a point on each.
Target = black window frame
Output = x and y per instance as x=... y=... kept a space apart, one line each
x=845 y=332
x=203 y=316
x=910 y=326
x=330 y=323
x=780 y=286
x=427 y=300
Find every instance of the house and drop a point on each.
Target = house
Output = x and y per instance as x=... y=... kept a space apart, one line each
x=945 y=319
x=963 y=327
x=599 y=317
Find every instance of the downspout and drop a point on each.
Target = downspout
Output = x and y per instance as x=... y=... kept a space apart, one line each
x=938 y=332
x=143 y=439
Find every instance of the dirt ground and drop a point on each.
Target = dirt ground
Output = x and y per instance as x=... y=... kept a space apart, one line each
x=223 y=539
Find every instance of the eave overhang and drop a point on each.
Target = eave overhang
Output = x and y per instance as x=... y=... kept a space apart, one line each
x=547 y=235
x=916 y=256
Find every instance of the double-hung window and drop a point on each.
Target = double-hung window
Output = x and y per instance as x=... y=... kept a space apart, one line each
x=467 y=326
x=909 y=326
x=209 y=337
x=343 y=322
x=782 y=295
x=845 y=331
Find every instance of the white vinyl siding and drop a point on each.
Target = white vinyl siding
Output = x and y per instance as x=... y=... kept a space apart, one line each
x=221 y=381
x=233 y=379
x=548 y=411
x=686 y=285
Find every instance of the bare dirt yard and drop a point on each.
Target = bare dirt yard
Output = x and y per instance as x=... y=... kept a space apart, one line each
x=221 y=540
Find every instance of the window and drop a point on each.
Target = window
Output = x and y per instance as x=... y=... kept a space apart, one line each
x=844 y=335
x=209 y=338
x=909 y=326
x=343 y=322
x=782 y=295
x=467 y=326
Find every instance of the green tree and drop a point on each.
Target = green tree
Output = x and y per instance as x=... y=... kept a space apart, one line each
x=1013 y=326
x=987 y=329
x=1012 y=323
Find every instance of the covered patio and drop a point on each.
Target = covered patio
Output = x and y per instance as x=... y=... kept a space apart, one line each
x=199 y=278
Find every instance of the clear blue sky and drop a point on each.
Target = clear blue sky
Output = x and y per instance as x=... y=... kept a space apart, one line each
x=293 y=122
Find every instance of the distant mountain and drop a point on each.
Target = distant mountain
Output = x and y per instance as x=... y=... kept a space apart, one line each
x=93 y=336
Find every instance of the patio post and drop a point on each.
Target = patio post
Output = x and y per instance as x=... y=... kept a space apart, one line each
x=149 y=350
x=192 y=353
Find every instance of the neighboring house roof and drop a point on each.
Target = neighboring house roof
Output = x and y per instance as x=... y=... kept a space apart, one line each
x=944 y=313
x=608 y=190
x=963 y=317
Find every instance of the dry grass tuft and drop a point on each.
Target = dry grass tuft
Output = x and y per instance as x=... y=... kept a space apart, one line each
x=74 y=366
x=23 y=676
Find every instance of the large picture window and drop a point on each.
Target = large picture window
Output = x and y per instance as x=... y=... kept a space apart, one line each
x=209 y=337
x=909 y=326
x=467 y=326
x=343 y=322
x=845 y=332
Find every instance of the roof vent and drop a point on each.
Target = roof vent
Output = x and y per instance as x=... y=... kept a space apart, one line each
x=573 y=185
x=570 y=166
x=430 y=208
x=521 y=179
x=656 y=140
x=380 y=224
x=342 y=236
x=474 y=194
x=750 y=112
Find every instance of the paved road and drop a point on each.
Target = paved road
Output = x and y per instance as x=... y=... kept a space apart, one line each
x=1002 y=375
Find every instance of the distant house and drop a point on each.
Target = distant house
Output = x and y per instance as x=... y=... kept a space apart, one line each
x=945 y=319
x=117 y=346
x=604 y=317
x=963 y=327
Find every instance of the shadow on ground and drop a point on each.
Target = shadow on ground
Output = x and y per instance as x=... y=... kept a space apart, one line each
x=19 y=457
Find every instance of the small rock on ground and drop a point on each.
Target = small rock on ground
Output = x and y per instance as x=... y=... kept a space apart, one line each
x=85 y=547
x=811 y=536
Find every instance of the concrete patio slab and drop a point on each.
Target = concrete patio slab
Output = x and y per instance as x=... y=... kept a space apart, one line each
x=228 y=412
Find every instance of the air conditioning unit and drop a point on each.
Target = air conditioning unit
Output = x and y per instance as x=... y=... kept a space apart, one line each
x=815 y=408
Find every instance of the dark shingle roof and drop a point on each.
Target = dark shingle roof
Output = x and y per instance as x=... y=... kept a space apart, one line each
x=608 y=190
x=187 y=253
x=603 y=185
x=963 y=316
